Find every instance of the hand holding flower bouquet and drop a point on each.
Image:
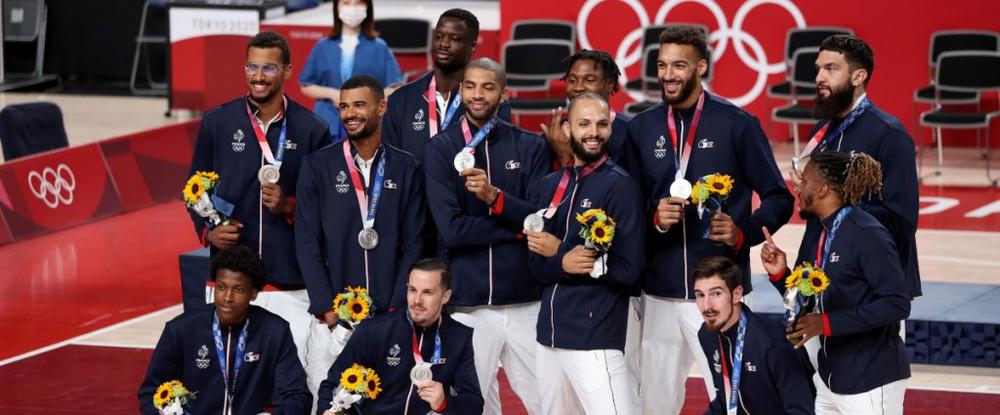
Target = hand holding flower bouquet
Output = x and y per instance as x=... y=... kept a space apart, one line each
x=171 y=397
x=710 y=193
x=802 y=287
x=197 y=197
x=597 y=231
x=351 y=306
x=356 y=383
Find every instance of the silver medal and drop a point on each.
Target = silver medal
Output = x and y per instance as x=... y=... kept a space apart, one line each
x=464 y=160
x=268 y=173
x=534 y=222
x=680 y=188
x=421 y=373
x=368 y=238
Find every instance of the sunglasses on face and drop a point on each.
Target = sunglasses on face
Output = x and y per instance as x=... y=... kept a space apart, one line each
x=269 y=69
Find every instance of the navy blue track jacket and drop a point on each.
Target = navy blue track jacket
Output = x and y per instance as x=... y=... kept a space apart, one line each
x=728 y=141
x=385 y=344
x=775 y=379
x=883 y=137
x=227 y=144
x=329 y=220
x=484 y=246
x=577 y=311
x=864 y=304
x=186 y=352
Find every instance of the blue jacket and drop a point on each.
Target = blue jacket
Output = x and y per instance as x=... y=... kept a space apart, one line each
x=186 y=352
x=385 y=344
x=372 y=57
x=775 y=379
x=881 y=136
x=405 y=124
x=728 y=141
x=577 y=311
x=484 y=246
x=864 y=304
x=329 y=220
x=227 y=144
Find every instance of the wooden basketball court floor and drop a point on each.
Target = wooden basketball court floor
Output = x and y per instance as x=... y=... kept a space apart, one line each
x=81 y=309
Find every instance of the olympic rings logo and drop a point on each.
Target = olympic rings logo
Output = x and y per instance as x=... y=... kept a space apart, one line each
x=629 y=52
x=53 y=186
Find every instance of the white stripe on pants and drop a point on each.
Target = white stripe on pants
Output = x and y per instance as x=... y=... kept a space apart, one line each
x=883 y=400
x=669 y=347
x=595 y=382
x=633 y=337
x=504 y=334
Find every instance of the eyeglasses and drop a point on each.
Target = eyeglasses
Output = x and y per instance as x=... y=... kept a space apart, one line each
x=269 y=69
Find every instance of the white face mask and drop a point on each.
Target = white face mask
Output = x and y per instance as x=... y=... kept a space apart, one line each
x=352 y=16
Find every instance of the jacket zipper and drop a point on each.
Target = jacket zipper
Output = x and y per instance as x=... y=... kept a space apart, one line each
x=552 y=299
x=680 y=140
x=489 y=175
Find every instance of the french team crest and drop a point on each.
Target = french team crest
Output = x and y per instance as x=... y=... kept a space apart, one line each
x=660 y=152
x=238 y=144
x=393 y=359
x=202 y=361
x=419 y=123
x=342 y=186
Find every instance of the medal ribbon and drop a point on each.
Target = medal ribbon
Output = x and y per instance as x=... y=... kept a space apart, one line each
x=685 y=155
x=220 y=351
x=367 y=209
x=826 y=239
x=817 y=138
x=274 y=159
x=432 y=111
x=470 y=141
x=733 y=391
x=436 y=357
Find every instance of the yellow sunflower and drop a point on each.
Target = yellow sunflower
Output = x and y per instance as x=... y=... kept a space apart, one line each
x=358 y=309
x=353 y=378
x=818 y=280
x=373 y=384
x=338 y=301
x=164 y=394
x=601 y=233
x=193 y=189
x=209 y=175
x=720 y=184
x=794 y=278
x=587 y=215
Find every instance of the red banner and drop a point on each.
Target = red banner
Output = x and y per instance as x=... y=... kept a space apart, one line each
x=151 y=167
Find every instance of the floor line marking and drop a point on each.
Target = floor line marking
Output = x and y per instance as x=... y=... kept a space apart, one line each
x=113 y=344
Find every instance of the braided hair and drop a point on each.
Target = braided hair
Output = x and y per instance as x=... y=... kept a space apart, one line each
x=851 y=175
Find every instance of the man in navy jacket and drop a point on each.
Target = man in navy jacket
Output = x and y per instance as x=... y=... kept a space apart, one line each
x=691 y=135
x=581 y=325
x=237 y=139
x=851 y=123
x=193 y=346
x=863 y=367
x=774 y=378
x=386 y=343
x=479 y=212
x=344 y=190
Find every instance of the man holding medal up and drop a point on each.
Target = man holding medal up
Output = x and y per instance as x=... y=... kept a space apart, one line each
x=691 y=135
x=423 y=357
x=581 y=325
x=863 y=367
x=359 y=217
x=256 y=144
x=479 y=173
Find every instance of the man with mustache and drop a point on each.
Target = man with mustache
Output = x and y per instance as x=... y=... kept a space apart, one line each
x=863 y=368
x=849 y=123
x=479 y=172
x=395 y=343
x=348 y=192
x=691 y=135
x=256 y=144
x=581 y=366
x=754 y=368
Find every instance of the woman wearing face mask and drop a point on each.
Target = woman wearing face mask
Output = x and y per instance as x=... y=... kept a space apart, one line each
x=353 y=48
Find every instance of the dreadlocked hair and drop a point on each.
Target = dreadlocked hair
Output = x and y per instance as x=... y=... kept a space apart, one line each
x=851 y=175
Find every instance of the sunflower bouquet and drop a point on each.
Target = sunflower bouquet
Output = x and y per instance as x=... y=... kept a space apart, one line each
x=597 y=230
x=171 y=397
x=356 y=383
x=197 y=197
x=351 y=306
x=802 y=287
x=711 y=191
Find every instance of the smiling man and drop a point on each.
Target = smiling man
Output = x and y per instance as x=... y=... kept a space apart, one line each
x=209 y=349
x=256 y=144
x=359 y=217
x=691 y=135
x=479 y=172
x=754 y=368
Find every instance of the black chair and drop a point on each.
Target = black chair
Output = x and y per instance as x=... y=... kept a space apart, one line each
x=652 y=92
x=803 y=77
x=403 y=35
x=24 y=29
x=292 y=6
x=952 y=41
x=531 y=63
x=543 y=29
x=143 y=40
x=31 y=128
x=810 y=37
x=651 y=37
x=965 y=71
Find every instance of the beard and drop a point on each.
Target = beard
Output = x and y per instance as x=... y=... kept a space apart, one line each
x=683 y=94
x=805 y=207
x=266 y=97
x=364 y=132
x=719 y=322
x=483 y=115
x=838 y=101
x=581 y=153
